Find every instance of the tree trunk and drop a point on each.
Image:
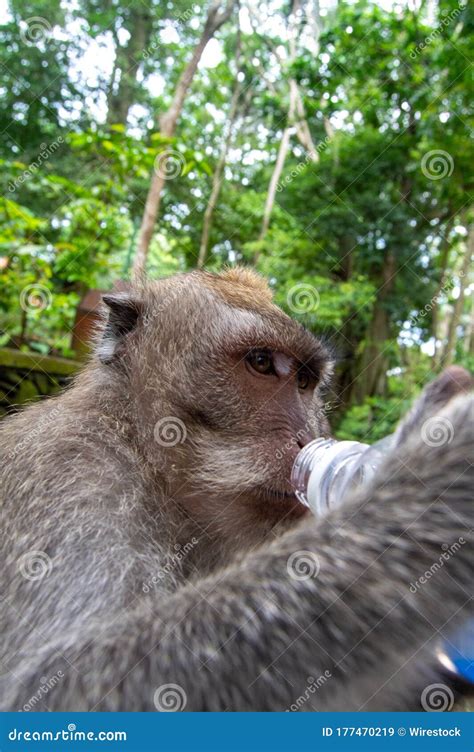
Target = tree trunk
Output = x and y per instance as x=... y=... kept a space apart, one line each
x=370 y=378
x=219 y=171
x=277 y=170
x=215 y=19
x=302 y=128
x=443 y=263
x=127 y=62
x=469 y=338
x=450 y=347
x=303 y=133
x=274 y=180
x=296 y=119
x=372 y=367
x=349 y=336
x=345 y=375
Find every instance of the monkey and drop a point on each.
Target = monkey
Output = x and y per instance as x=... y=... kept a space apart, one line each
x=154 y=551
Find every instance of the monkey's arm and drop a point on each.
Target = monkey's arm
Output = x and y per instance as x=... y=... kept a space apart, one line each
x=249 y=638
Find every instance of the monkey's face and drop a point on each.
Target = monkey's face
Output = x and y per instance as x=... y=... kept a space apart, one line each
x=230 y=390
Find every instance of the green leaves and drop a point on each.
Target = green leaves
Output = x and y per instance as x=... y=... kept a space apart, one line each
x=354 y=248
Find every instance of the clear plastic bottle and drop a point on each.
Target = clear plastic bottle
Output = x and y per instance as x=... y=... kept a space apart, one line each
x=326 y=469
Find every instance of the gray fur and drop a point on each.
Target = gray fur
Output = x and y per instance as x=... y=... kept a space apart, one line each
x=138 y=592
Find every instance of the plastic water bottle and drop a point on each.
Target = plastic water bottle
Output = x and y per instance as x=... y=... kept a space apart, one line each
x=326 y=469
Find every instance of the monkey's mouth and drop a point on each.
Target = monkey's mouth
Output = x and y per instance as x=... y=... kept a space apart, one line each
x=286 y=498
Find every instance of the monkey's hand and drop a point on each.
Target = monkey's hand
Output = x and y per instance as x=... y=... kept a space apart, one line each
x=453 y=381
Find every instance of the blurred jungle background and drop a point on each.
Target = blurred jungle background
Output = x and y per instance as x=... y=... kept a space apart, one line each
x=326 y=143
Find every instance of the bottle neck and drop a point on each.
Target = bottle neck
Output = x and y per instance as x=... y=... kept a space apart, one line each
x=322 y=471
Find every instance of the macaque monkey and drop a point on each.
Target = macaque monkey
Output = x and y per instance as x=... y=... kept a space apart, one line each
x=154 y=552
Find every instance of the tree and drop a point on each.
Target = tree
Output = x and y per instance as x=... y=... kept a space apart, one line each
x=123 y=85
x=334 y=151
x=295 y=119
x=449 y=348
x=219 y=170
x=216 y=17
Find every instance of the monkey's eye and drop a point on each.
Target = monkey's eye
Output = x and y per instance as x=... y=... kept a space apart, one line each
x=303 y=378
x=261 y=361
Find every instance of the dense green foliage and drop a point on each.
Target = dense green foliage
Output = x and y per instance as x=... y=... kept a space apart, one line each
x=368 y=241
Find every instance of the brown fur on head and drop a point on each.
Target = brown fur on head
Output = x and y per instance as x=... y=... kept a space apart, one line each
x=241 y=287
x=218 y=436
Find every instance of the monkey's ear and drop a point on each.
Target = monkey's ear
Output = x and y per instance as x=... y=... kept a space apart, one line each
x=123 y=314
